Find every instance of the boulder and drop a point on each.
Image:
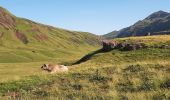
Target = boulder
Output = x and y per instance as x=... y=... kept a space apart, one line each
x=131 y=46
x=109 y=45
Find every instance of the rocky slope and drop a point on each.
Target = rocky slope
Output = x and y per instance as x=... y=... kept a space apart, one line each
x=157 y=23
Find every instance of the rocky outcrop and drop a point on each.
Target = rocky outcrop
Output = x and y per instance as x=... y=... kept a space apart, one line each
x=109 y=45
x=128 y=46
x=125 y=46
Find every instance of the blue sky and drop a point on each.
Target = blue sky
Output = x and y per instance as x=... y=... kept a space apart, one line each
x=96 y=16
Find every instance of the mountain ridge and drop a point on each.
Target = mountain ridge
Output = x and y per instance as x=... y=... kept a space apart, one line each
x=154 y=24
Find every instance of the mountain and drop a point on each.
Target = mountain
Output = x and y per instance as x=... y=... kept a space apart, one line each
x=157 y=23
x=111 y=35
x=19 y=37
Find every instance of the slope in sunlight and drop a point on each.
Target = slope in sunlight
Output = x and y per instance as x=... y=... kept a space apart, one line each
x=117 y=74
x=24 y=40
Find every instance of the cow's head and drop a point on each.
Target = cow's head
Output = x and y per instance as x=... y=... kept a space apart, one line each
x=44 y=67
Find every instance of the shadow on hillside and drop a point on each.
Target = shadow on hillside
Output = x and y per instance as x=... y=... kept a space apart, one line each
x=88 y=56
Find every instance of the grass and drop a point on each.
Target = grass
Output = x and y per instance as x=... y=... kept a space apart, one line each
x=119 y=75
x=27 y=41
x=149 y=40
x=109 y=82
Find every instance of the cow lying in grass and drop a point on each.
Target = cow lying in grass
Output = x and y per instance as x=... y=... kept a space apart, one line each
x=54 y=68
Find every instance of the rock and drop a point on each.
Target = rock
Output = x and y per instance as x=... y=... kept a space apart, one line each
x=128 y=46
x=131 y=47
x=109 y=45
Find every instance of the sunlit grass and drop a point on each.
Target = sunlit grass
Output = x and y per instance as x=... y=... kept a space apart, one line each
x=115 y=75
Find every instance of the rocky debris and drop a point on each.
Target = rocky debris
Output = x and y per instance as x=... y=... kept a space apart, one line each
x=131 y=47
x=109 y=45
x=128 y=46
x=125 y=46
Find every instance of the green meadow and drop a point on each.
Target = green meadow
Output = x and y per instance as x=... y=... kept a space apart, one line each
x=142 y=74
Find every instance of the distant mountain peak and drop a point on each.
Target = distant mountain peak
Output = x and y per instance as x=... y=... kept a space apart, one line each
x=158 y=23
x=161 y=12
x=158 y=14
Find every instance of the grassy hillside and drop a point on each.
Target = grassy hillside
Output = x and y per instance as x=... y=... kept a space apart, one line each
x=22 y=40
x=114 y=75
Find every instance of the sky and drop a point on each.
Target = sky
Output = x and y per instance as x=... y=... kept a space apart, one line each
x=95 y=16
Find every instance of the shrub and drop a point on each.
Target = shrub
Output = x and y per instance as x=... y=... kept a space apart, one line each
x=77 y=86
x=41 y=93
x=109 y=70
x=122 y=97
x=148 y=85
x=161 y=97
x=165 y=84
x=134 y=68
x=97 y=77
x=125 y=87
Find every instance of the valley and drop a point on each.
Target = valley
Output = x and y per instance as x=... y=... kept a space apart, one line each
x=115 y=74
x=129 y=66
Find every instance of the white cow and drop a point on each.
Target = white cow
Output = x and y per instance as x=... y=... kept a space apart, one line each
x=54 y=68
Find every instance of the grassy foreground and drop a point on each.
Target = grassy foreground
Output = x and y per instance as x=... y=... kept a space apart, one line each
x=143 y=74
